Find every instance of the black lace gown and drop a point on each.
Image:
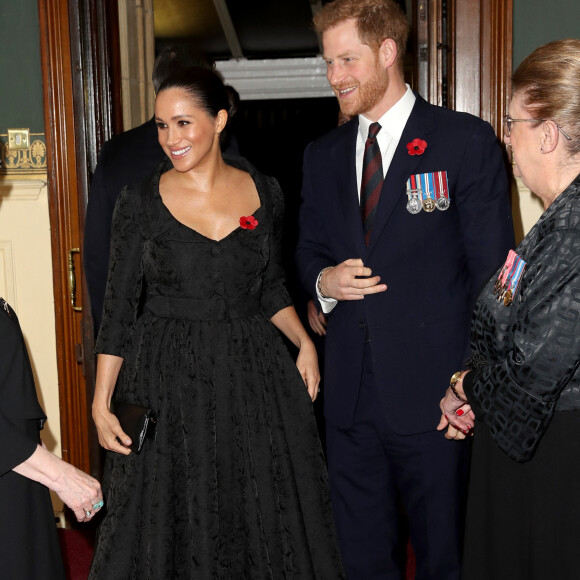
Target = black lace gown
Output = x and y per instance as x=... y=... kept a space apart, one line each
x=235 y=485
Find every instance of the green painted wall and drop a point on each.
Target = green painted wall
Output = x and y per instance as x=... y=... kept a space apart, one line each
x=21 y=102
x=537 y=22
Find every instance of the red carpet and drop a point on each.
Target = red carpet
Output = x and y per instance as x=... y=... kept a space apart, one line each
x=77 y=552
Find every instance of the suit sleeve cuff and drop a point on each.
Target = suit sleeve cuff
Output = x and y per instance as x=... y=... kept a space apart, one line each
x=327 y=304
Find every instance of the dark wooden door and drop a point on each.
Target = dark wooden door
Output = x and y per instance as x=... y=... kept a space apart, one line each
x=79 y=55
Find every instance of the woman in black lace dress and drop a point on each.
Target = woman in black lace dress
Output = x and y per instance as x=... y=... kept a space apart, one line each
x=523 y=388
x=234 y=486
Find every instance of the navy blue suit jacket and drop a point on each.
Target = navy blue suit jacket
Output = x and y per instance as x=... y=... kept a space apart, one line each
x=433 y=263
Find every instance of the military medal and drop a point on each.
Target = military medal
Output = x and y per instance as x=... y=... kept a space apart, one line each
x=432 y=189
x=428 y=204
x=441 y=187
x=514 y=279
x=426 y=180
x=414 y=205
x=414 y=194
x=507 y=299
x=497 y=285
x=509 y=278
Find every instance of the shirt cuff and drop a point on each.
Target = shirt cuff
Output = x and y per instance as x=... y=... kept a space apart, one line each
x=327 y=304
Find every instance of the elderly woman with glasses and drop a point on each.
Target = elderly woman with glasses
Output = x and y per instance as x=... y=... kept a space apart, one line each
x=520 y=391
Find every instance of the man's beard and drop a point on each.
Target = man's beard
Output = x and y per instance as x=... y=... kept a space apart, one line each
x=368 y=95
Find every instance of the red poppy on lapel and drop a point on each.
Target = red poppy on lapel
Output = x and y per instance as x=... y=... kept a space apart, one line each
x=248 y=223
x=417 y=147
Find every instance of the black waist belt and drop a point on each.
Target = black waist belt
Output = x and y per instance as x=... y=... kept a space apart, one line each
x=216 y=308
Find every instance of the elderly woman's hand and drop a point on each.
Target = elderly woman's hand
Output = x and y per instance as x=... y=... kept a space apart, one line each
x=457 y=413
x=457 y=434
x=79 y=491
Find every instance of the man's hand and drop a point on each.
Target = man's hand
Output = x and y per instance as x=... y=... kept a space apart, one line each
x=350 y=280
x=316 y=319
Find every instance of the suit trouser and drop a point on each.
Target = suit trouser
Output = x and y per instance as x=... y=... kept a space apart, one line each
x=372 y=469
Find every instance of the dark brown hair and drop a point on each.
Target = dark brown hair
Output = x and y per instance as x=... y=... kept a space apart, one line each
x=548 y=84
x=376 y=21
x=206 y=88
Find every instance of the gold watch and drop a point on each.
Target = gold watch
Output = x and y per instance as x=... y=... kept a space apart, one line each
x=453 y=381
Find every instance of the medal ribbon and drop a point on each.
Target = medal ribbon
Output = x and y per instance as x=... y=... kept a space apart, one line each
x=426 y=180
x=503 y=276
x=441 y=188
x=516 y=274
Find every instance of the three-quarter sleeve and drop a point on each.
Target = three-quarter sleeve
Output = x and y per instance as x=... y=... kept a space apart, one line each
x=275 y=296
x=517 y=396
x=124 y=281
x=18 y=401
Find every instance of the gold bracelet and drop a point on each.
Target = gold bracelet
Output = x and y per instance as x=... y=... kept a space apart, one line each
x=454 y=380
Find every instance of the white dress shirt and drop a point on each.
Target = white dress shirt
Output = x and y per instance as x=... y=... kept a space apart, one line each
x=392 y=125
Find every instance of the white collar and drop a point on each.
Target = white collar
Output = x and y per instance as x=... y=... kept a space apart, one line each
x=394 y=120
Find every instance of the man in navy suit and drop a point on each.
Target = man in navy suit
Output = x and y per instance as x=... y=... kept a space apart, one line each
x=398 y=290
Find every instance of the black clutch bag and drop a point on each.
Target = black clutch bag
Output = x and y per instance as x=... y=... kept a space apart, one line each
x=137 y=421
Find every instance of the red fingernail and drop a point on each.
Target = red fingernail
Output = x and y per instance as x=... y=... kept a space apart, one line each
x=459 y=412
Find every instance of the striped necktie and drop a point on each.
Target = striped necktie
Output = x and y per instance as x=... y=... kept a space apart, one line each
x=372 y=180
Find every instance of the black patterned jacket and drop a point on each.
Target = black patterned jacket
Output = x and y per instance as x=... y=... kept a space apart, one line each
x=526 y=355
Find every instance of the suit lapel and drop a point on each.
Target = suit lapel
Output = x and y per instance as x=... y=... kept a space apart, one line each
x=344 y=160
x=402 y=166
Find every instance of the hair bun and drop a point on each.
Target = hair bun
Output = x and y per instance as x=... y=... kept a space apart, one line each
x=233 y=100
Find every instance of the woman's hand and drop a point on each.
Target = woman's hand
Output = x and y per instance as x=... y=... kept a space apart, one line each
x=111 y=436
x=307 y=363
x=456 y=434
x=80 y=492
x=287 y=321
x=456 y=413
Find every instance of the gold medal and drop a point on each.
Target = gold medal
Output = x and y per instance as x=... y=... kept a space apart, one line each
x=507 y=300
x=428 y=204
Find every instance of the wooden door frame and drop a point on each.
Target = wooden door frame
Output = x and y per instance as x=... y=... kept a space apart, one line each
x=484 y=34
x=479 y=55
x=79 y=95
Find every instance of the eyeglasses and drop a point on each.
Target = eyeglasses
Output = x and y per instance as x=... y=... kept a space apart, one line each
x=508 y=121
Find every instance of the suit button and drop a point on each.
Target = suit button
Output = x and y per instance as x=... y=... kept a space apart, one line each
x=362 y=325
x=215 y=252
x=217 y=276
x=367 y=340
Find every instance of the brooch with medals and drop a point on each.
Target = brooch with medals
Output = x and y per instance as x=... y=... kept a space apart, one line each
x=428 y=191
x=509 y=278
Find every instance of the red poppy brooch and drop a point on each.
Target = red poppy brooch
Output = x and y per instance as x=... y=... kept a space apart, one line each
x=417 y=147
x=248 y=223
